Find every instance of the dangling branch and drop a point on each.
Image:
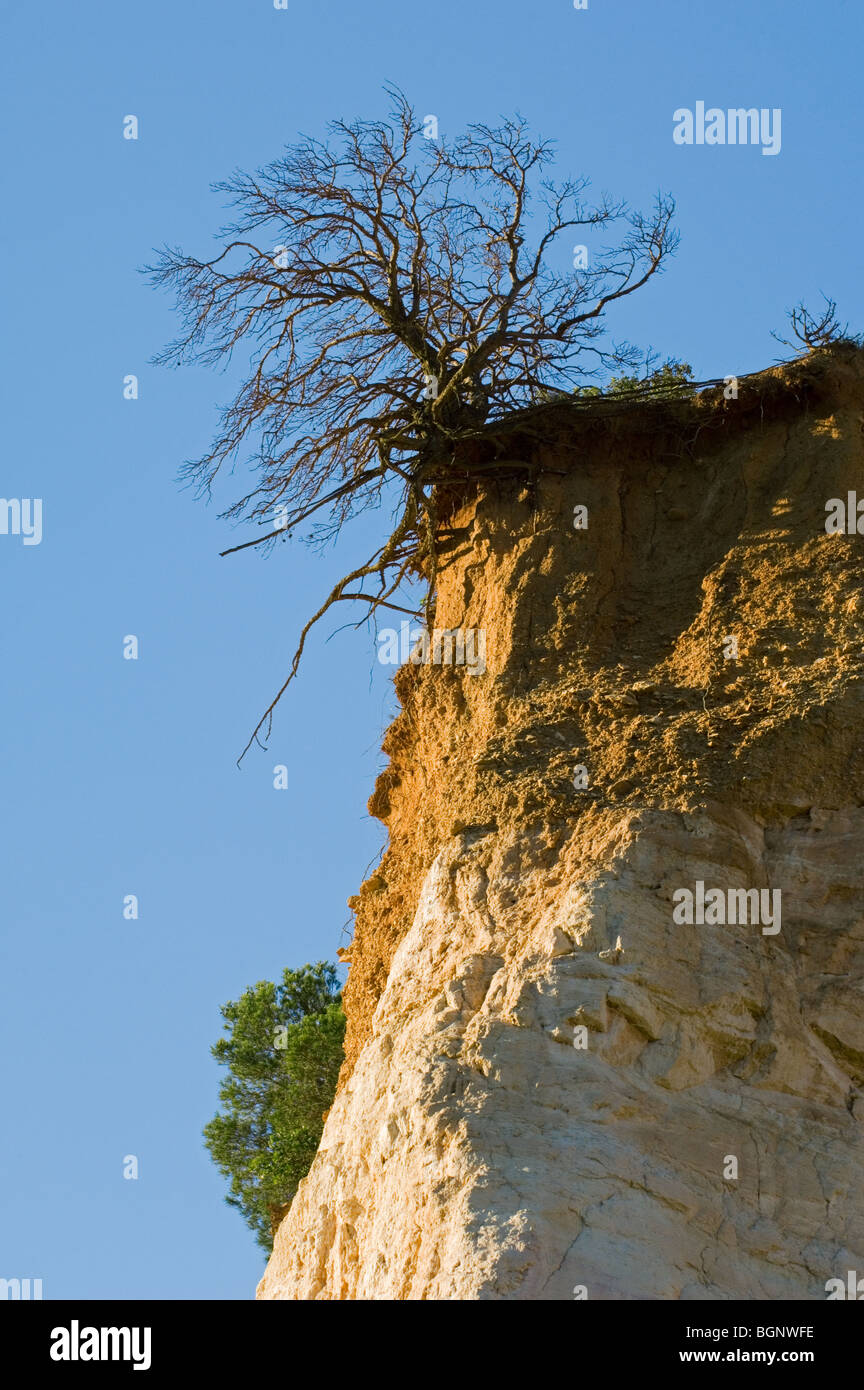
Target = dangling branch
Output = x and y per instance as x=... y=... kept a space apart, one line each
x=379 y=564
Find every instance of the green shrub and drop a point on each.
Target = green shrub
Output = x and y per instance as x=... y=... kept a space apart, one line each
x=666 y=380
x=283 y=1052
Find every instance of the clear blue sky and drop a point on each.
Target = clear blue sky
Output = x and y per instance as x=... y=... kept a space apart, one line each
x=119 y=777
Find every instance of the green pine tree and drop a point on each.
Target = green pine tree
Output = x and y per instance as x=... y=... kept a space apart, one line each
x=283 y=1052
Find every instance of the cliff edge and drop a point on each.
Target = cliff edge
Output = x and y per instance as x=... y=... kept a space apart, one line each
x=606 y=1035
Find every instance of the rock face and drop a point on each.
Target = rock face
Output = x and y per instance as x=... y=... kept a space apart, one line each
x=556 y=1085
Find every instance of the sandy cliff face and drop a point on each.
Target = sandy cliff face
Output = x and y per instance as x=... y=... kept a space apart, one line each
x=552 y=1078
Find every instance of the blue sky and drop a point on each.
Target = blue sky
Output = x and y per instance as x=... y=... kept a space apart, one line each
x=119 y=776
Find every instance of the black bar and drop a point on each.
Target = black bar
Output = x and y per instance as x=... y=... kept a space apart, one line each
x=283 y=1338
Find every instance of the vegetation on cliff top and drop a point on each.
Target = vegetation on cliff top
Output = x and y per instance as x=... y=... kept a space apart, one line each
x=402 y=294
x=398 y=294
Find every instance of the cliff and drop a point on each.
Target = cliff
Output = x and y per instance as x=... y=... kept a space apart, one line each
x=550 y=1068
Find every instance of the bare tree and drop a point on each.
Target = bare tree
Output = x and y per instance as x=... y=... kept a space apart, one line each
x=813 y=331
x=398 y=295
